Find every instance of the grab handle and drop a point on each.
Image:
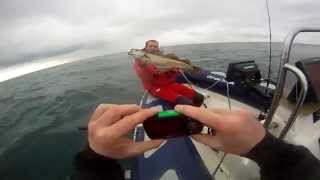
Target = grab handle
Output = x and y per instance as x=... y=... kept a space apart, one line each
x=287 y=46
x=302 y=95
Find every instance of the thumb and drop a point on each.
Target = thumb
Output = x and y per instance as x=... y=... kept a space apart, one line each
x=141 y=147
x=208 y=140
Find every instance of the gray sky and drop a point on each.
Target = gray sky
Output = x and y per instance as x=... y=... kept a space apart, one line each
x=72 y=29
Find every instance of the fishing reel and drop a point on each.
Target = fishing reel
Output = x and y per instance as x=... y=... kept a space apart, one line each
x=171 y=124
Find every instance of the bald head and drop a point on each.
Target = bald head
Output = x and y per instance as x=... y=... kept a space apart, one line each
x=152 y=46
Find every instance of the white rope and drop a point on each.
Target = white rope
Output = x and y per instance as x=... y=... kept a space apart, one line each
x=212 y=85
x=185 y=77
x=141 y=99
x=191 y=84
x=228 y=94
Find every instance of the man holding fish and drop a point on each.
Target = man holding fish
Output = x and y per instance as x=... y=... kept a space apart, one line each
x=158 y=73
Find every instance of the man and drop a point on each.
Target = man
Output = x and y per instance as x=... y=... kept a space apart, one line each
x=237 y=132
x=163 y=84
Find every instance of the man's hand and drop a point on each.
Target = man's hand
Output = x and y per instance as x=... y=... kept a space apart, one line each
x=141 y=62
x=109 y=123
x=187 y=61
x=172 y=56
x=237 y=132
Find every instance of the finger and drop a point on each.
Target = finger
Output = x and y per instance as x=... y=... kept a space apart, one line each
x=208 y=140
x=114 y=114
x=141 y=147
x=208 y=118
x=125 y=148
x=130 y=122
x=219 y=110
x=100 y=110
x=128 y=109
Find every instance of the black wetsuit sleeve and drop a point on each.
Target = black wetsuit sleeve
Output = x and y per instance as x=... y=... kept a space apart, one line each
x=89 y=165
x=280 y=160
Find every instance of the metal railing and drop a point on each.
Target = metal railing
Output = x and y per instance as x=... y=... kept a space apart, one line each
x=302 y=95
x=284 y=67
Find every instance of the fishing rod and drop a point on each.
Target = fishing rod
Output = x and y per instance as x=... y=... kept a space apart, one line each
x=268 y=81
x=270 y=46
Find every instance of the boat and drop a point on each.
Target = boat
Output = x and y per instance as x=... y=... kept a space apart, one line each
x=286 y=109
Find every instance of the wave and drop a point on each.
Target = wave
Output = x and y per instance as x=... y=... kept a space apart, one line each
x=26 y=68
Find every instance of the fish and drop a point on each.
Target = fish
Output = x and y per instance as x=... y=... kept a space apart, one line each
x=161 y=62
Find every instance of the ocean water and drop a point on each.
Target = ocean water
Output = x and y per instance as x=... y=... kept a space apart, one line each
x=40 y=112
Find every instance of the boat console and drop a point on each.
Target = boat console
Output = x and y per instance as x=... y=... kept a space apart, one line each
x=311 y=68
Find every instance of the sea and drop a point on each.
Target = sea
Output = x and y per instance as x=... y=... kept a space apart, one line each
x=41 y=112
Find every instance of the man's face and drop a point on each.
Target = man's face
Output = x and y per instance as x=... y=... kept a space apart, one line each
x=152 y=47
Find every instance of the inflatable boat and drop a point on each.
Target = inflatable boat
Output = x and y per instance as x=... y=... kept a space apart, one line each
x=289 y=108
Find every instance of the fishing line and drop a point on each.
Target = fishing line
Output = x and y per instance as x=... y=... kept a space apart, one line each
x=262 y=113
x=268 y=78
x=224 y=154
x=212 y=131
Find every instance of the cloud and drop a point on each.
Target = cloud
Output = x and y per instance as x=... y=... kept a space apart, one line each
x=37 y=29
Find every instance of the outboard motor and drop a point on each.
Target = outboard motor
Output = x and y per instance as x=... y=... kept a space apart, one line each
x=247 y=78
x=244 y=73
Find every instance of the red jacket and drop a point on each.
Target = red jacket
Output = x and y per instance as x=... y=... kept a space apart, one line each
x=151 y=77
